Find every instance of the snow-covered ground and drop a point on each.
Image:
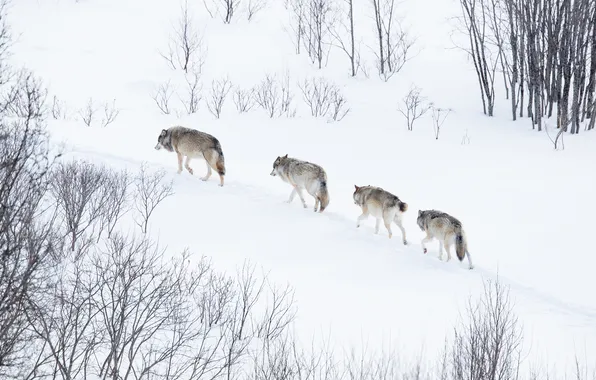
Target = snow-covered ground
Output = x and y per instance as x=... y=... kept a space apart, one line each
x=526 y=208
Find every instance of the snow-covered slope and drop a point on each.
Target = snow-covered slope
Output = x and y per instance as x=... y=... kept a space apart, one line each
x=526 y=208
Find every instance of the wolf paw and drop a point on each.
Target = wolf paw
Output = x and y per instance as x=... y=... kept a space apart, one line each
x=190 y=170
x=179 y=171
x=305 y=206
x=425 y=250
x=405 y=242
x=204 y=178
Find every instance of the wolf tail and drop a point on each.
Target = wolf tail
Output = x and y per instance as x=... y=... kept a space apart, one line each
x=403 y=206
x=323 y=195
x=460 y=245
x=220 y=162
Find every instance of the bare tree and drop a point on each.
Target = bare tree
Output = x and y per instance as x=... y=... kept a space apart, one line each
x=244 y=99
x=278 y=315
x=80 y=190
x=298 y=15
x=253 y=7
x=87 y=114
x=29 y=243
x=267 y=95
x=342 y=30
x=414 y=106
x=287 y=97
x=162 y=97
x=317 y=34
x=323 y=98
x=151 y=190
x=110 y=113
x=394 y=43
x=118 y=200
x=58 y=108
x=488 y=344
x=229 y=9
x=439 y=115
x=194 y=89
x=475 y=17
x=219 y=92
x=185 y=49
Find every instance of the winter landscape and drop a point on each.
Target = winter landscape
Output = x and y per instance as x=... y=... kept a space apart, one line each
x=114 y=266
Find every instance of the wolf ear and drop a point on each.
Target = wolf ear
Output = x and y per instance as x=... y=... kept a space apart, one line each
x=419 y=212
x=286 y=156
x=356 y=187
x=163 y=132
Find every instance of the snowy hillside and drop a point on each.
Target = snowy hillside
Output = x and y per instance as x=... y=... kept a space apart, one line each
x=525 y=207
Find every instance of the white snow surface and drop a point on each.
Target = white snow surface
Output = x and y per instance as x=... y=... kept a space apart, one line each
x=527 y=209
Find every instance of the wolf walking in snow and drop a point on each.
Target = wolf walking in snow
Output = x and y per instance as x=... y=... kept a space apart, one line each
x=303 y=175
x=447 y=229
x=191 y=143
x=381 y=204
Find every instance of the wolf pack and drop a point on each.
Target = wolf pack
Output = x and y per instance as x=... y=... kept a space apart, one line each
x=189 y=144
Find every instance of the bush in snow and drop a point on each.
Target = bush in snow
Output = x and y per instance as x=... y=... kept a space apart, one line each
x=274 y=96
x=414 y=106
x=217 y=97
x=324 y=99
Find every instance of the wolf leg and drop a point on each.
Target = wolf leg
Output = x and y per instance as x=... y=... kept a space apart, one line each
x=206 y=177
x=403 y=230
x=427 y=239
x=187 y=166
x=440 y=250
x=362 y=217
x=316 y=203
x=292 y=194
x=377 y=225
x=179 y=162
x=448 y=249
x=470 y=265
x=299 y=192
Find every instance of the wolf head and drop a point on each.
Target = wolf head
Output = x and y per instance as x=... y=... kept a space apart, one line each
x=276 y=164
x=421 y=219
x=356 y=195
x=164 y=140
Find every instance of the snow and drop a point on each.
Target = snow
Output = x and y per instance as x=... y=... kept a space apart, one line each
x=525 y=207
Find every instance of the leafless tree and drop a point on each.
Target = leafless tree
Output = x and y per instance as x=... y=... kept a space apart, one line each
x=323 y=98
x=219 y=92
x=342 y=30
x=253 y=7
x=439 y=116
x=117 y=200
x=194 y=90
x=64 y=318
x=185 y=49
x=298 y=15
x=474 y=21
x=394 y=43
x=317 y=36
x=110 y=113
x=244 y=99
x=287 y=97
x=267 y=95
x=80 y=190
x=414 y=106
x=87 y=114
x=58 y=108
x=229 y=9
x=29 y=243
x=151 y=190
x=162 y=97
x=488 y=343
x=278 y=315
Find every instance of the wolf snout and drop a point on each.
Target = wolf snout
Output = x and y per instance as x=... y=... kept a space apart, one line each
x=272 y=173
x=158 y=146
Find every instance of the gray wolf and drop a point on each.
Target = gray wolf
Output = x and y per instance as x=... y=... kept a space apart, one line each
x=303 y=175
x=381 y=204
x=448 y=230
x=191 y=143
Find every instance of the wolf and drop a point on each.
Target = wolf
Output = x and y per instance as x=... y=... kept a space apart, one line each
x=381 y=204
x=191 y=143
x=448 y=230
x=303 y=175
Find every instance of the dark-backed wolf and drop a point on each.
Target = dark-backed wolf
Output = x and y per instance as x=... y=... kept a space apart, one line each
x=191 y=143
x=382 y=205
x=303 y=175
x=448 y=230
